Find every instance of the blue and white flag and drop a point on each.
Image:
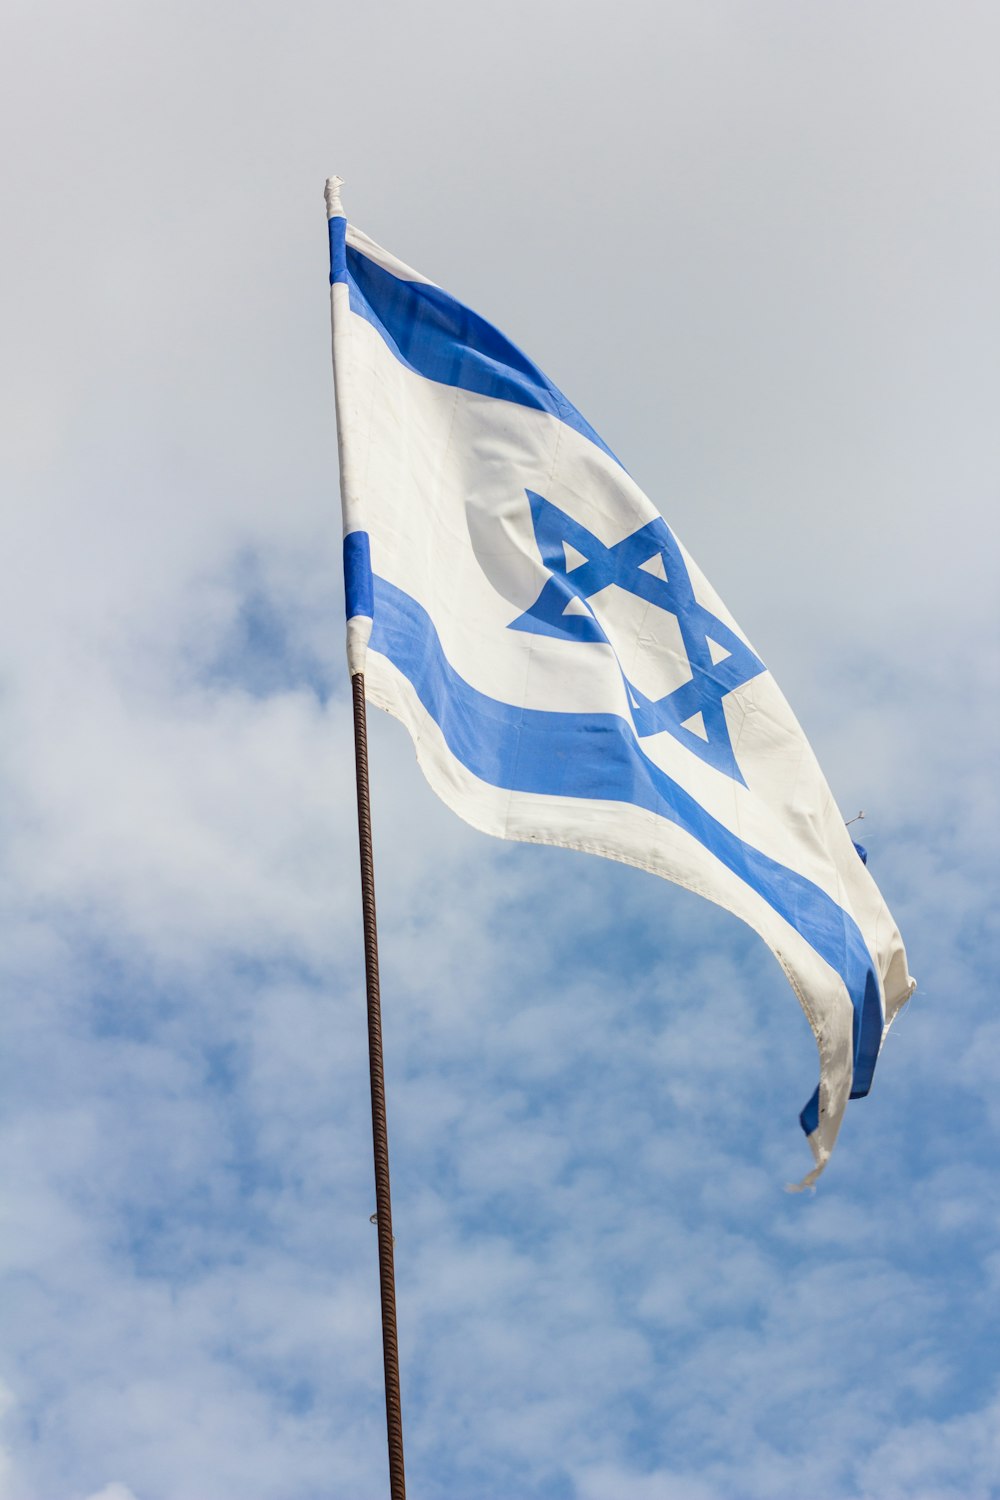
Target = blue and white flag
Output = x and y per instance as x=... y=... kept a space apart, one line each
x=567 y=673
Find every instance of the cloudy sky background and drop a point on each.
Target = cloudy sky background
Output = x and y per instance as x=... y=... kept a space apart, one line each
x=756 y=244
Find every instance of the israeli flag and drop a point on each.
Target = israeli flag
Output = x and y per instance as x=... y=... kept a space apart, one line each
x=567 y=673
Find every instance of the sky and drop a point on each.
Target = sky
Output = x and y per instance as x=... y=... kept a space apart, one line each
x=756 y=245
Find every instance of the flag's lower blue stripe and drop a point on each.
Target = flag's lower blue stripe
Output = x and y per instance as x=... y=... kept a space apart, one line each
x=358 y=595
x=597 y=756
x=439 y=338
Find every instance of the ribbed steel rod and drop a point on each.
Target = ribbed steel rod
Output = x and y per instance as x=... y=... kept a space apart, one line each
x=380 y=1139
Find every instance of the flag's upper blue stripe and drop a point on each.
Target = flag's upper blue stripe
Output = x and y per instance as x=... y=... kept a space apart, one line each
x=598 y=756
x=439 y=338
x=359 y=597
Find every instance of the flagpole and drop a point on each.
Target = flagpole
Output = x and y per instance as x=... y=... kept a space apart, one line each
x=380 y=1139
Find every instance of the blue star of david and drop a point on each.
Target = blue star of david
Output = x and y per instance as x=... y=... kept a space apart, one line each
x=714 y=673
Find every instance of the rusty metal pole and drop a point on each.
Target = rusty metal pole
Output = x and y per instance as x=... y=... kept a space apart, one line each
x=380 y=1140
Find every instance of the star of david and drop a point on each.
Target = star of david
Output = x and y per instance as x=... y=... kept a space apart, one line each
x=649 y=564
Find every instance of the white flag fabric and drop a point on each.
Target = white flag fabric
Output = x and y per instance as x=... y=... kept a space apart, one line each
x=567 y=673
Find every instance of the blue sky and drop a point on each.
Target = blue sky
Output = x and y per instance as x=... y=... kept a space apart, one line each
x=756 y=247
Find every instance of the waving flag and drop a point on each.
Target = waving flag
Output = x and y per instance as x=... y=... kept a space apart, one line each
x=567 y=673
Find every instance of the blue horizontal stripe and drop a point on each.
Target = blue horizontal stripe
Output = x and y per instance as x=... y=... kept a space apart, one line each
x=809 y=1118
x=359 y=596
x=597 y=756
x=439 y=338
